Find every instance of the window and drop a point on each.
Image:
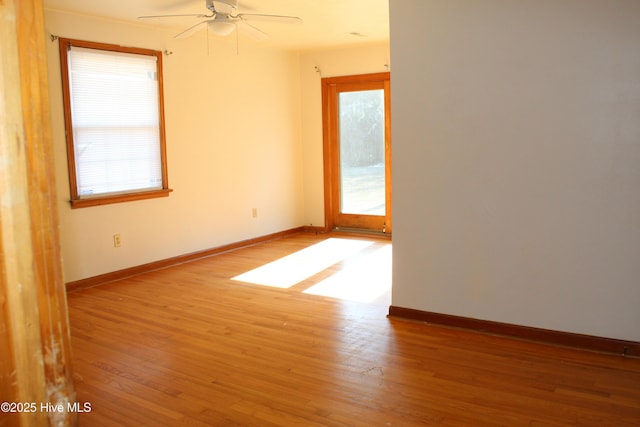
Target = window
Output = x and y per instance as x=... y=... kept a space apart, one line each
x=114 y=122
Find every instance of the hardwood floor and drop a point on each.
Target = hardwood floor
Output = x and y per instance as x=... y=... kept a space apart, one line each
x=189 y=346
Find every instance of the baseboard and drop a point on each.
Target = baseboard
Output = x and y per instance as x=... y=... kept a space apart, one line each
x=565 y=339
x=180 y=259
x=315 y=229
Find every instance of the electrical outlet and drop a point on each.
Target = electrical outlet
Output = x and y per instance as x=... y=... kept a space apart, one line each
x=116 y=241
x=254 y=212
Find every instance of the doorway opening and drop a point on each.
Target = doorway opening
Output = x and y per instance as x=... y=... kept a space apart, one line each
x=356 y=115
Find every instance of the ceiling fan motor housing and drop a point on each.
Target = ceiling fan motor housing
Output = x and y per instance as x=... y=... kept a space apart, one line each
x=225 y=7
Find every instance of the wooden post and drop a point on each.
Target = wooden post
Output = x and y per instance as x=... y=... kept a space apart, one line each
x=34 y=331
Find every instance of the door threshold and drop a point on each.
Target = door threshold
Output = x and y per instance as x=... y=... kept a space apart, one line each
x=349 y=230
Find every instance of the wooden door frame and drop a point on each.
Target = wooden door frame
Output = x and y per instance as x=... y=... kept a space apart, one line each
x=35 y=345
x=329 y=134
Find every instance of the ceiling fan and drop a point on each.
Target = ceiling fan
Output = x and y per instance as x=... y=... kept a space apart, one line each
x=223 y=20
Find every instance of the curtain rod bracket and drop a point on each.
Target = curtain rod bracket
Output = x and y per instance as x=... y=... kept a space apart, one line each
x=53 y=37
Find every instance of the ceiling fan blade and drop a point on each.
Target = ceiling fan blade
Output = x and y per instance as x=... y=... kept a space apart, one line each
x=270 y=18
x=191 y=30
x=251 y=31
x=197 y=15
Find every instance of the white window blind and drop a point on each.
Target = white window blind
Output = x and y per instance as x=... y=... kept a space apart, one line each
x=116 y=124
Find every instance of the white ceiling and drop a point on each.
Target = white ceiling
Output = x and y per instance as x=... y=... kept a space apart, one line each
x=326 y=23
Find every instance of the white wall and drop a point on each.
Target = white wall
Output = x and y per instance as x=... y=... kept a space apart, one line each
x=233 y=143
x=516 y=132
x=372 y=58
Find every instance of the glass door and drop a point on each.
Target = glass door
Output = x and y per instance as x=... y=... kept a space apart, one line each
x=358 y=152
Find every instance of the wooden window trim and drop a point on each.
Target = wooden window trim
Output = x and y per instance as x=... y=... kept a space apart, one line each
x=75 y=200
x=118 y=198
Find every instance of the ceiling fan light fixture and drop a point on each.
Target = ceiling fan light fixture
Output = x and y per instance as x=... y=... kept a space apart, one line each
x=220 y=28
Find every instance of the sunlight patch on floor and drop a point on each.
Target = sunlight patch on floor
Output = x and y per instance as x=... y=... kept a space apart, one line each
x=368 y=278
x=292 y=269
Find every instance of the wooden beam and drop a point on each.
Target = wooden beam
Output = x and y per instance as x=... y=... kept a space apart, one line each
x=34 y=330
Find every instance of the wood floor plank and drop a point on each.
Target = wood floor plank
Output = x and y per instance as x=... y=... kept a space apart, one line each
x=190 y=346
